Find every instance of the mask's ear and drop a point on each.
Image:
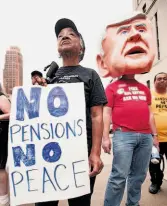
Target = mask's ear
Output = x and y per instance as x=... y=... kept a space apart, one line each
x=102 y=67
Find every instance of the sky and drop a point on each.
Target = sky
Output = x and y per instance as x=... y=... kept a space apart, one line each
x=29 y=25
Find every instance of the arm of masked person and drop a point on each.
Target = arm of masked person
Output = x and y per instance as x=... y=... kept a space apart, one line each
x=107 y=112
x=97 y=100
x=4 y=107
x=106 y=141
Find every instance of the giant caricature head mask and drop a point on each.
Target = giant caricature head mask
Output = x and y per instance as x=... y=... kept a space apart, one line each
x=127 y=47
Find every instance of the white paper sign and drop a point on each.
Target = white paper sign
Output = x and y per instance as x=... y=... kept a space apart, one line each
x=48 y=157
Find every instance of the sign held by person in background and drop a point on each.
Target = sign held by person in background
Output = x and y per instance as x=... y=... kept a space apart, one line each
x=48 y=157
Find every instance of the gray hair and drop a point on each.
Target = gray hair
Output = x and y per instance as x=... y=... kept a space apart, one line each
x=82 y=43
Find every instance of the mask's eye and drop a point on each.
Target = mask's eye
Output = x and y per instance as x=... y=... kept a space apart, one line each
x=124 y=32
x=141 y=30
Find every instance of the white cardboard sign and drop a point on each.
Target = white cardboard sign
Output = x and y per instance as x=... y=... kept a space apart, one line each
x=48 y=156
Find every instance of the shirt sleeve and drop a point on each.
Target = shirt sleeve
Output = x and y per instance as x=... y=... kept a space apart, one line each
x=97 y=94
x=110 y=96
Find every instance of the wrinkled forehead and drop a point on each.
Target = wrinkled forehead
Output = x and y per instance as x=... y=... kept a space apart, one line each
x=126 y=21
x=162 y=75
x=68 y=29
x=135 y=22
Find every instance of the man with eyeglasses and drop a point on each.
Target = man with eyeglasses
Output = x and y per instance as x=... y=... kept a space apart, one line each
x=159 y=108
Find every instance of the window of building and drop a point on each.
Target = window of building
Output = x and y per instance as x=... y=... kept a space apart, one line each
x=157 y=34
x=144 y=8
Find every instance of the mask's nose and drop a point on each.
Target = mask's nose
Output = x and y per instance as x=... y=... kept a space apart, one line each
x=134 y=35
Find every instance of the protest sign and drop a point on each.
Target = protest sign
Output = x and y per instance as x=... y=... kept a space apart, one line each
x=48 y=157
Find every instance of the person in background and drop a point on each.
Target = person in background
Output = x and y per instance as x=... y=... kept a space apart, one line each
x=159 y=109
x=37 y=76
x=4 y=123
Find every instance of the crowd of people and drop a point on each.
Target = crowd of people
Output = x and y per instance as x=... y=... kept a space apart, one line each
x=137 y=114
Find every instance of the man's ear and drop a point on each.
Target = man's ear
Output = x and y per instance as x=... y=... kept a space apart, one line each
x=104 y=72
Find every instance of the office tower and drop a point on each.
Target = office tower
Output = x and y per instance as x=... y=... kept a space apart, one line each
x=13 y=69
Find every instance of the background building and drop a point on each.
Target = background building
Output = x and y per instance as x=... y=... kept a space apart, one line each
x=13 y=69
x=156 y=10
